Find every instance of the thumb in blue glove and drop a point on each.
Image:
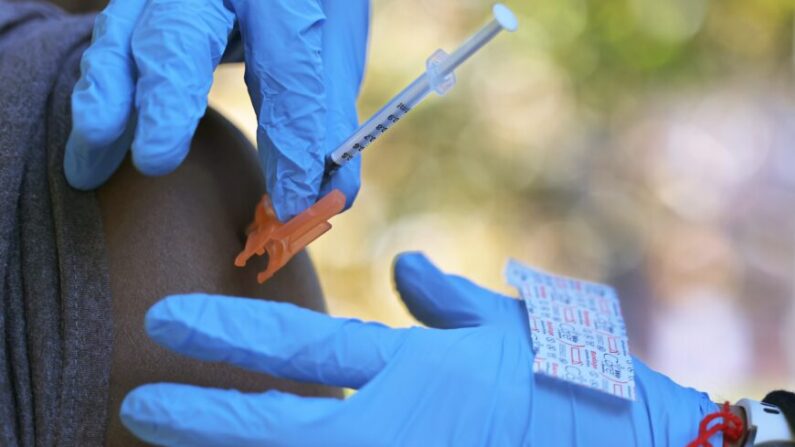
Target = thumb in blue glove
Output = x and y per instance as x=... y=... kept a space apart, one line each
x=466 y=380
x=145 y=78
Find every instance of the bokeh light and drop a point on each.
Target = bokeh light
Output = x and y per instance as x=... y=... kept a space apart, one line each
x=646 y=144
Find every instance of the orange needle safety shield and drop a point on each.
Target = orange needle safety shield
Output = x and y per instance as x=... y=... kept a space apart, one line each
x=283 y=240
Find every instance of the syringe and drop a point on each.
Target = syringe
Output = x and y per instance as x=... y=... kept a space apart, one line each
x=282 y=240
x=439 y=77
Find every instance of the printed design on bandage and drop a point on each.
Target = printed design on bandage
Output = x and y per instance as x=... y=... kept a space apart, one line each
x=577 y=330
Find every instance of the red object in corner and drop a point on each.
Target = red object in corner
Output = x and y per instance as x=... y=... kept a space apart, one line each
x=283 y=240
x=732 y=428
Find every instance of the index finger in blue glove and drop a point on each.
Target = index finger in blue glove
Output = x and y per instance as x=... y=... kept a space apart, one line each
x=449 y=301
x=347 y=179
x=176 y=46
x=284 y=74
x=275 y=338
x=345 y=50
x=184 y=415
x=103 y=97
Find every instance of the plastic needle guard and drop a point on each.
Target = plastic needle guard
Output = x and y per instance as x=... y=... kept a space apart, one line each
x=283 y=240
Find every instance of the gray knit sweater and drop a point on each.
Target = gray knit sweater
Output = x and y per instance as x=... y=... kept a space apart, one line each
x=55 y=296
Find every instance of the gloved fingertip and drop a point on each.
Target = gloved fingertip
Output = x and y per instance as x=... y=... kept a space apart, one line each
x=140 y=411
x=415 y=276
x=347 y=179
x=74 y=170
x=146 y=412
x=136 y=403
x=92 y=136
x=286 y=209
x=410 y=264
x=350 y=192
x=87 y=165
x=350 y=197
x=284 y=212
x=102 y=109
x=161 y=161
x=167 y=322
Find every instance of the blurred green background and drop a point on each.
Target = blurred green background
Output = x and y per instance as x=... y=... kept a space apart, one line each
x=649 y=144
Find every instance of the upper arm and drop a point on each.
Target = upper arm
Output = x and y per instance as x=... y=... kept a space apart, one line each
x=180 y=233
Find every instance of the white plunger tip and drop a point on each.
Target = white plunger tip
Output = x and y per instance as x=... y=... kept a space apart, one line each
x=505 y=17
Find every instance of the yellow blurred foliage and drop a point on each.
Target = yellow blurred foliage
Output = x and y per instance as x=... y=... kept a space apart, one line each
x=642 y=143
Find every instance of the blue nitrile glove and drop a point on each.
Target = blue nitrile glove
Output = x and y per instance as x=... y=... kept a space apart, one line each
x=146 y=76
x=467 y=381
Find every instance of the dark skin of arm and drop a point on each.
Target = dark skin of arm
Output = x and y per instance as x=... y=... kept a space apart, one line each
x=180 y=233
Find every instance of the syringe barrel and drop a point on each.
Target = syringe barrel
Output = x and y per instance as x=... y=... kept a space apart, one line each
x=470 y=47
x=379 y=123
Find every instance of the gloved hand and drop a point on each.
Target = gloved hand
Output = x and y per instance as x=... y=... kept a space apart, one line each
x=466 y=381
x=145 y=78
